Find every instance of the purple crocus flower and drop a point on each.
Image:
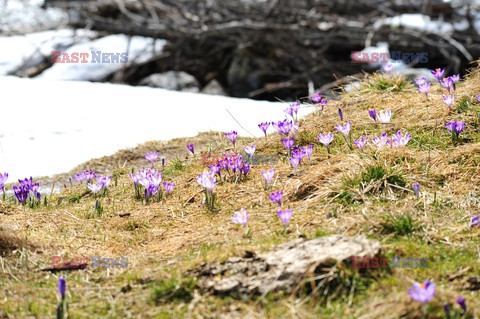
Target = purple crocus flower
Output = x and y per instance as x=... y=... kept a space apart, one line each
x=384 y=116
x=168 y=187
x=475 y=221
x=438 y=73
x=215 y=169
x=21 y=193
x=446 y=308
x=448 y=100
x=400 y=140
x=268 y=176
x=292 y=109
x=62 y=286
x=421 y=81
x=240 y=217
x=245 y=169
x=250 y=150
x=478 y=97
x=288 y=143
x=89 y=175
x=191 y=148
x=447 y=83
x=3 y=179
x=207 y=180
x=462 y=303
x=264 y=127
x=361 y=142
x=454 y=79
x=387 y=67
x=295 y=160
x=422 y=292
x=276 y=197
x=340 y=114
x=345 y=128
x=424 y=88
x=416 y=189
x=79 y=177
x=285 y=215
x=373 y=114
x=307 y=150
x=152 y=157
x=317 y=98
x=325 y=139
x=95 y=188
x=104 y=181
x=382 y=141
x=455 y=127
x=232 y=136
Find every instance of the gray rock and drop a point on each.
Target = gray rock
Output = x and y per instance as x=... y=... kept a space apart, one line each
x=214 y=88
x=283 y=268
x=171 y=80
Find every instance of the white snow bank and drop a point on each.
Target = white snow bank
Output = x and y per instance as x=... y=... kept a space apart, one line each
x=417 y=22
x=31 y=49
x=140 y=50
x=21 y=16
x=49 y=127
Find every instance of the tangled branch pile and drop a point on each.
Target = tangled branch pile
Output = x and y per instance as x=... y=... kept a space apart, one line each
x=263 y=49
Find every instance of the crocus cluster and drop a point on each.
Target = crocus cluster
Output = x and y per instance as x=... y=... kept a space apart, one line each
x=148 y=181
x=234 y=166
x=86 y=175
x=397 y=140
x=298 y=153
x=27 y=192
x=425 y=292
x=100 y=188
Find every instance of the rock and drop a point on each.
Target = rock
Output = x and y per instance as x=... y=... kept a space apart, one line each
x=171 y=80
x=284 y=267
x=214 y=88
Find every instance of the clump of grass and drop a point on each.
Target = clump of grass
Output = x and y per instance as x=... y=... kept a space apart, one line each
x=400 y=225
x=173 y=289
x=381 y=82
x=175 y=168
x=376 y=178
x=464 y=105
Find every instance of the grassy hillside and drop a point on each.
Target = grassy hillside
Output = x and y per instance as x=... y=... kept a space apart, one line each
x=349 y=191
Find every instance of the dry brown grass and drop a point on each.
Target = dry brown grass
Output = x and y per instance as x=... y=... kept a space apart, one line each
x=164 y=239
